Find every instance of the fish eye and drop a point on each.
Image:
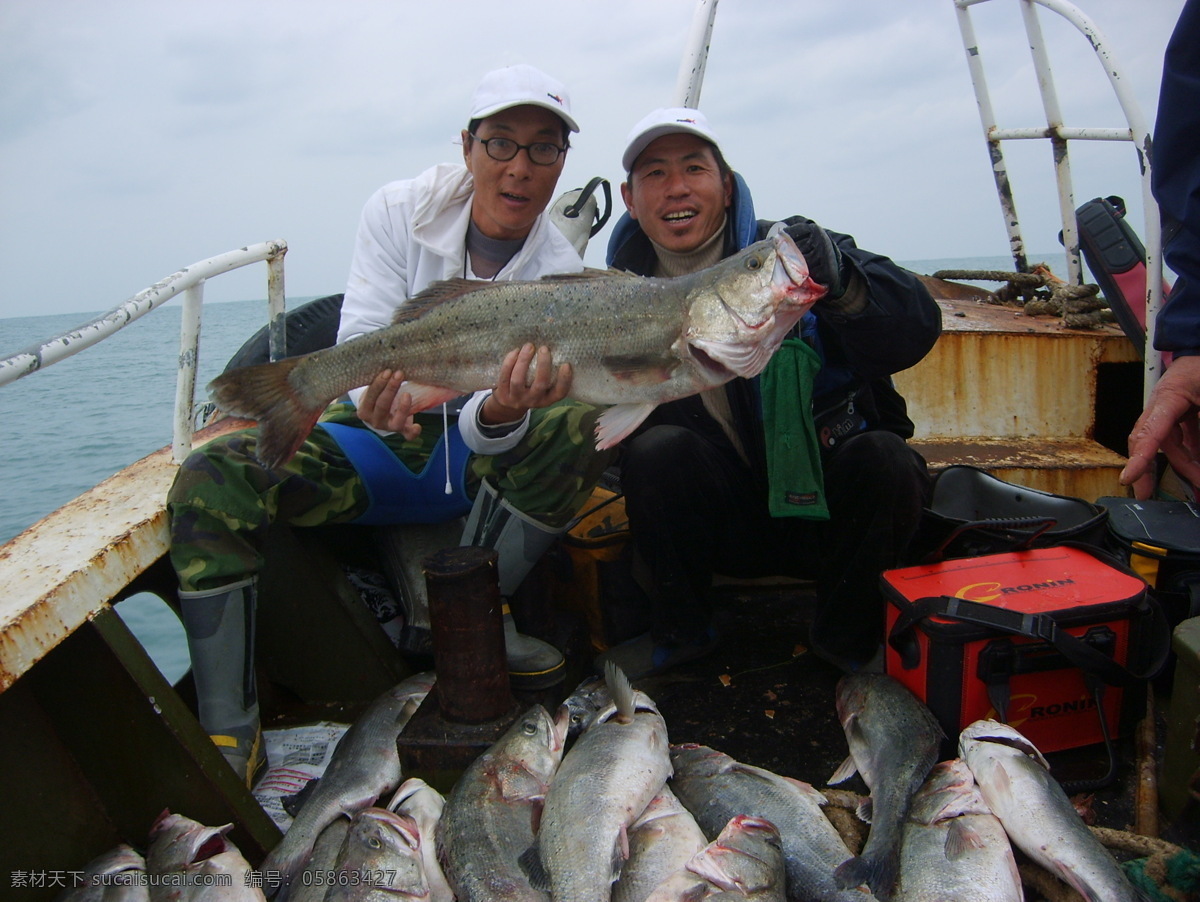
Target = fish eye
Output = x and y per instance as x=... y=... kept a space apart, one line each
x=374 y=842
x=753 y=262
x=529 y=728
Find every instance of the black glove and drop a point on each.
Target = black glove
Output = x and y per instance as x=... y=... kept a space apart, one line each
x=825 y=263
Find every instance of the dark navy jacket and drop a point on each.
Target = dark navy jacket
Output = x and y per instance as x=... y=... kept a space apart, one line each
x=859 y=352
x=1175 y=179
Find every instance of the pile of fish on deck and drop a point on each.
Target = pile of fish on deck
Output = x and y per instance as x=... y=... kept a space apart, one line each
x=625 y=816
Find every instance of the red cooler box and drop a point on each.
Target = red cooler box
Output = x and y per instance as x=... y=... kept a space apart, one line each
x=1025 y=637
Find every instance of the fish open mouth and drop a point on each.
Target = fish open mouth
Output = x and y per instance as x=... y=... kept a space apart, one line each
x=791 y=277
x=709 y=363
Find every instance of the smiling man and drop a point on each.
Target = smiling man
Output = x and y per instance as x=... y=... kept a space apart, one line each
x=482 y=218
x=800 y=471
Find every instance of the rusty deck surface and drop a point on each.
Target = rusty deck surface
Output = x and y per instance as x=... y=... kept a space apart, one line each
x=65 y=568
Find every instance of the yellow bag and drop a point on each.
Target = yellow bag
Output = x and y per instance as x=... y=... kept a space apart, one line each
x=595 y=572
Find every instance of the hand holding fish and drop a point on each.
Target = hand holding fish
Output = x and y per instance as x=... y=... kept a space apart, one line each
x=385 y=407
x=516 y=393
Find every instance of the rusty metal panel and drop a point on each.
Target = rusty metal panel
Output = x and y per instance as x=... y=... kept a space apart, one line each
x=1079 y=468
x=66 y=567
x=996 y=373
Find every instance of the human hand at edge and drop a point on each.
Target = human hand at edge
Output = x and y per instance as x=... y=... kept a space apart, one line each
x=516 y=393
x=385 y=407
x=1169 y=423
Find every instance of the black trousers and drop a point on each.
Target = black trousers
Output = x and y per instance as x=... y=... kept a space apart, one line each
x=694 y=510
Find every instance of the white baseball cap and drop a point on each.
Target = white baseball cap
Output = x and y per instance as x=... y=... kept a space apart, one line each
x=518 y=86
x=667 y=121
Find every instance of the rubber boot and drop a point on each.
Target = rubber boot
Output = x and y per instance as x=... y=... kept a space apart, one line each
x=402 y=549
x=219 y=624
x=519 y=541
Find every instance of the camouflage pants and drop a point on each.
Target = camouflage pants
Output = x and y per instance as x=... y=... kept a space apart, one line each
x=223 y=500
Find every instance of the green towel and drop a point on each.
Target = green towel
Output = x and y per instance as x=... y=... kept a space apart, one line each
x=797 y=487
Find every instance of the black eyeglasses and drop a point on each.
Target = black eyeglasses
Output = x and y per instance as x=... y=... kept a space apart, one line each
x=543 y=153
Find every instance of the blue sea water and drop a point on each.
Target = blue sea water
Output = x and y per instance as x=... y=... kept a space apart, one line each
x=64 y=429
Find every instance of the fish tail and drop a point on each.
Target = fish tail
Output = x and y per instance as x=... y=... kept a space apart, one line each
x=265 y=393
x=877 y=873
x=622 y=691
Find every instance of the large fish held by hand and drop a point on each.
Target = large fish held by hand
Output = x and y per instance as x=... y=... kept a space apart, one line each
x=632 y=342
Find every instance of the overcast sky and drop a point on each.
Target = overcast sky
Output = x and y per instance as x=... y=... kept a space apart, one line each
x=139 y=137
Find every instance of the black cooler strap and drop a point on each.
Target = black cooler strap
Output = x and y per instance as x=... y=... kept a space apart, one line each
x=1036 y=626
x=1024 y=531
x=1097 y=667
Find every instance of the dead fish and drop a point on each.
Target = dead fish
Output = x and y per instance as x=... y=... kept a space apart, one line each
x=184 y=856
x=894 y=740
x=662 y=841
x=224 y=877
x=380 y=860
x=746 y=860
x=604 y=782
x=313 y=881
x=632 y=342
x=491 y=813
x=364 y=766
x=685 y=886
x=585 y=702
x=418 y=800
x=716 y=788
x=1015 y=781
x=118 y=875
x=954 y=847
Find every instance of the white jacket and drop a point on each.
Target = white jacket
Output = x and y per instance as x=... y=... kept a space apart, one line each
x=413 y=233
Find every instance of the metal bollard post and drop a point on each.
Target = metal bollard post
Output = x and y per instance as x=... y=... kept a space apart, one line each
x=468 y=635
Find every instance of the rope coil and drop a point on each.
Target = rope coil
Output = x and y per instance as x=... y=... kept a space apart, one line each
x=1041 y=293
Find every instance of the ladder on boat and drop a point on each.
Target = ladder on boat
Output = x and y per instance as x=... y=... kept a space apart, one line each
x=1026 y=398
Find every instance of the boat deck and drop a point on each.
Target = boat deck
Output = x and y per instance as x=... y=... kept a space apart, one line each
x=765 y=700
x=63 y=570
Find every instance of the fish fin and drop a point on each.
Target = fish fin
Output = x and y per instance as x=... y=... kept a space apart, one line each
x=590 y=272
x=807 y=790
x=294 y=802
x=531 y=863
x=960 y=839
x=265 y=393
x=845 y=771
x=436 y=294
x=705 y=865
x=620 y=854
x=695 y=892
x=639 y=369
x=426 y=396
x=1001 y=781
x=622 y=692
x=445 y=290
x=618 y=422
x=535 y=814
x=878 y=874
x=160 y=823
x=865 y=810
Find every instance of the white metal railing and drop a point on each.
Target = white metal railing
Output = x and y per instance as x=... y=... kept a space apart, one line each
x=189 y=280
x=1058 y=134
x=695 y=55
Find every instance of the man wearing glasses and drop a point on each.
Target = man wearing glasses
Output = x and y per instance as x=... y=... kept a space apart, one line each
x=484 y=218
